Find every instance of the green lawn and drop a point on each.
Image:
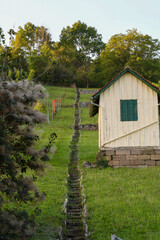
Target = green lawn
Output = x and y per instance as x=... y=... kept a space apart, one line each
x=86 y=97
x=85 y=119
x=67 y=95
x=125 y=202
x=53 y=182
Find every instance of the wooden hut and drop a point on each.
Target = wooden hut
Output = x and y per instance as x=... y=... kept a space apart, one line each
x=128 y=118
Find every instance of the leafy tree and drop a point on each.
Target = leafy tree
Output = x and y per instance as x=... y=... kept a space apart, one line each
x=40 y=62
x=17 y=154
x=25 y=37
x=11 y=58
x=42 y=36
x=31 y=38
x=82 y=39
x=77 y=47
x=139 y=51
x=29 y=51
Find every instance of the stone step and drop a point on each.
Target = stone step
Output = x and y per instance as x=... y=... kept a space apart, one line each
x=75 y=238
x=75 y=194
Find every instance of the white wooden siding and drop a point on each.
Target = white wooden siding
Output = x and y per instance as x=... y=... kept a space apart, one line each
x=116 y=133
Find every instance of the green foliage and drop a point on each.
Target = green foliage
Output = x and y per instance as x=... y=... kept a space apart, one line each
x=17 y=74
x=83 y=39
x=39 y=61
x=102 y=163
x=79 y=57
x=139 y=51
x=2 y=36
x=31 y=75
x=77 y=47
x=40 y=106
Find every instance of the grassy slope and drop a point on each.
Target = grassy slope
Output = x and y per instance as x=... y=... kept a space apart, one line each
x=120 y=201
x=53 y=183
x=124 y=202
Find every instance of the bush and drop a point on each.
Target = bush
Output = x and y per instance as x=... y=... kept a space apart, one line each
x=17 y=154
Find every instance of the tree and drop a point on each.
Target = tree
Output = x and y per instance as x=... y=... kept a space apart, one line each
x=83 y=39
x=40 y=63
x=17 y=154
x=11 y=58
x=42 y=36
x=77 y=47
x=139 y=51
x=30 y=43
x=31 y=37
x=25 y=37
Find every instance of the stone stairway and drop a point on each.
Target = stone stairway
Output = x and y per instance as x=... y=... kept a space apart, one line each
x=75 y=217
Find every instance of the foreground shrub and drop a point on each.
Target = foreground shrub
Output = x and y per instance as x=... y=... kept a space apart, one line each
x=17 y=155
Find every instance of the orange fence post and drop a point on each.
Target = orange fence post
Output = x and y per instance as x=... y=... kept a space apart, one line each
x=54 y=106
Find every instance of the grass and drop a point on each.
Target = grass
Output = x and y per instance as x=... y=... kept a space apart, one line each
x=123 y=201
x=85 y=119
x=84 y=112
x=67 y=95
x=53 y=182
x=86 y=97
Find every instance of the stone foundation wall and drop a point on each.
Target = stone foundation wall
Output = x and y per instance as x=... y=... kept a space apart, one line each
x=131 y=157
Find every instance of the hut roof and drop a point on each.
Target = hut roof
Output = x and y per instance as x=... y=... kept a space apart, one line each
x=95 y=97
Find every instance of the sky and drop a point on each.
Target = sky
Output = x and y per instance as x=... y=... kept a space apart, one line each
x=109 y=17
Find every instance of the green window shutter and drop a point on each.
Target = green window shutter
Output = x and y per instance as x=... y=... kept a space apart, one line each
x=128 y=110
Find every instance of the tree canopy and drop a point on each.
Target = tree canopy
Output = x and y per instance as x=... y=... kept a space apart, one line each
x=83 y=39
x=78 y=46
x=80 y=56
x=140 y=52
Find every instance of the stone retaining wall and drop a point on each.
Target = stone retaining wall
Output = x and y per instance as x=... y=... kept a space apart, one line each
x=131 y=157
x=88 y=91
x=88 y=127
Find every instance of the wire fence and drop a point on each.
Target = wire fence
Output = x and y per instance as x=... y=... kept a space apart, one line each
x=114 y=237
